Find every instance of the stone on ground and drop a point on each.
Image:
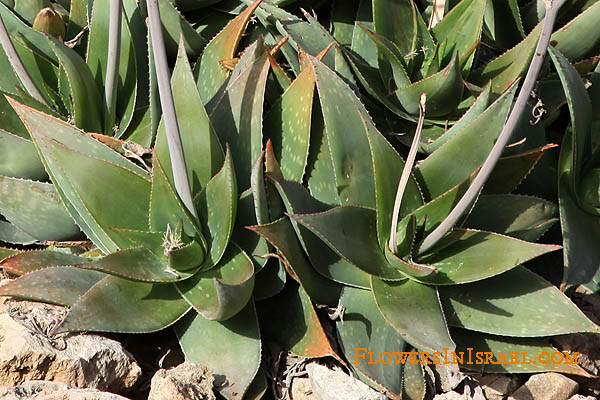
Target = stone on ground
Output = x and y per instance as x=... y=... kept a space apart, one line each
x=547 y=386
x=187 y=381
x=43 y=390
x=330 y=384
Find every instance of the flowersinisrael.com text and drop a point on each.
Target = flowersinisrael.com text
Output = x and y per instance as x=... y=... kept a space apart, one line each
x=469 y=357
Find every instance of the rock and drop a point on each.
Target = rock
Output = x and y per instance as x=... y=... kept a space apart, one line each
x=330 y=384
x=301 y=389
x=43 y=390
x=187 y=381
x=451 y=396
x=588 y=347
x=547 y=386
x=29 y=352
x=498 y=386
x=582 y=397
x=447 y=376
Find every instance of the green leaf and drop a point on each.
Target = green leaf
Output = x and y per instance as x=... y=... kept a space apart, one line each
x=270 y=280
x=580 y=109
x=97 y=56
x=328 y=263
x=118 y=305
x=508 y=67
x=4 y=253
x=413 y=385
x=397 y=21
x=36 y=209
x=387 y=168
x=203 y=152
x=346 y=137
x=365 y=330
x=352 y=233
x=231 y=349
x=579 y=38
x=211 y=75
x=522 y=217
x=85 y=97
x=532 y=355
x=223 y=291
x=136 y=264
x=78 y=18
x=56 y=285
x=361 y=44
x=288 y=124
x=254 y=245
x=21 y=263
x=291 y=320
x=343 y=15
x=28 y=9
x=444 y=91
x=282 y=236
x=175 y=26
x=11 y=234
x=503 y=23
x=440 y=172
x=511 y=170
x=517 y=303
x=466 y=255
x=217 y=206
x=95 y=200
x=236 y=114
x=19 y=158
x=166 y=207
x=460 y=30
x=415 y=311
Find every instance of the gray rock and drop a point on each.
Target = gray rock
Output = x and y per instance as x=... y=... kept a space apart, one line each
x=498 y=386
x=451 y=396
x=330 y=384
x=43 y=390
x=582 y=397
x=29 y=352
x=301 y=389
x=447 y=376
x=187 y=381
x=547 y=386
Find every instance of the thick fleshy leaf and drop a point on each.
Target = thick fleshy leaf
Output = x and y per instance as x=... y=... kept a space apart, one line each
x=508 y=67
x=203 y=153
x=270 y=280
x=84 y=192
x=415 y=311
x=282 y=236
x=580 y=232
x=211 y=74
x=580 y=108
x=78 y=18
x=346 y=137
x=22 y=263
x=176 y=26
x=19 y=158
x=296 y=326
x=523 y=217
x=365 y=330
x=352 y=233
x=166 y=207
x=5 y=252
x=223 y=291
x=503 y=22
x=49 y=221
x=568 y=39
x=460 y=30
x=440 y=171
x=328 y=263
x=17 y=28
x=217 y=206
x=517 y=303
x=118 y=305
x=236 y=114
x=444 y=91
x=56 y=285
x=254 y=245
x=11 y=234
x=466 y=255
x=511 y=170
x=231 y=349
x=83 y=91
x=532 y=355
x=288 y=124
x=136 y=264
x=397 y=22
x=387 y=168
x=97 y=58
x=342 y=20
x=413 y=386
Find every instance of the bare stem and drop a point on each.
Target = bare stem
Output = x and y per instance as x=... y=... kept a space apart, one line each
x=178 y=164
x=17 y=65
x=410 y=162
x=112 y=64
x=471 y=194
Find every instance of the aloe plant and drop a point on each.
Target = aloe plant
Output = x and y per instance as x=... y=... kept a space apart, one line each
x=256 y=183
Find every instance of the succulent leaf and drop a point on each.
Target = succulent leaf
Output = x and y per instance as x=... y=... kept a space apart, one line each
x=569 y=39
x=415 y=311
x=21 y=263
x=229 y=348
x=20 y=158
